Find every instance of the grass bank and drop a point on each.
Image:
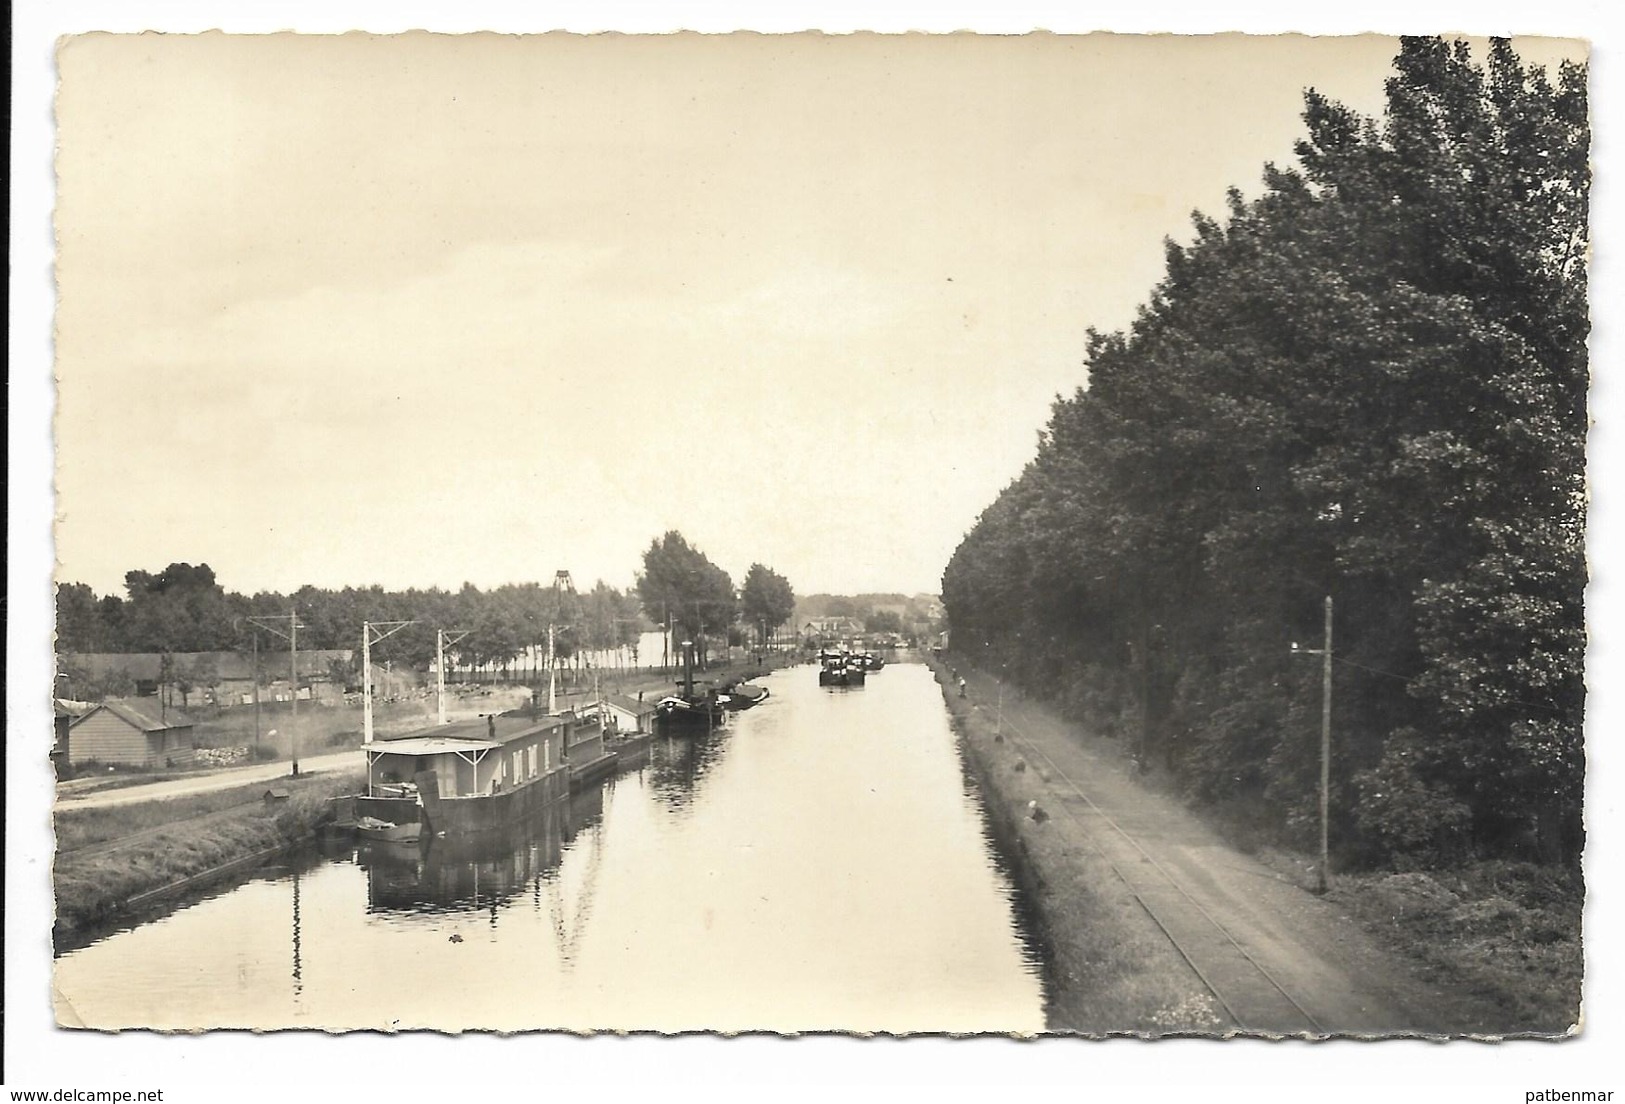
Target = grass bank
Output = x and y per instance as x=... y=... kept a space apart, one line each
x=81 y=828
x=1507 y=932
x=1111 y=970
x=128 y=851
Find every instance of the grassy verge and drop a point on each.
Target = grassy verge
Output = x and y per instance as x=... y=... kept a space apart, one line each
x=92 y=888
x=1111 y=970
x=77 y=828
x=1508 y=932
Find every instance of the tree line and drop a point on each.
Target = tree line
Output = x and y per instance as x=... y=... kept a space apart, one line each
x=1368 y=383
x=184 y=609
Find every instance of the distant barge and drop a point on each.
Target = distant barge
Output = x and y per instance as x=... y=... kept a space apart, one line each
x=840 y=669
x=689 y=710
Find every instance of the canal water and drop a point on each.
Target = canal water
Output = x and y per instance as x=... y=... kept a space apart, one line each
x=821 y=863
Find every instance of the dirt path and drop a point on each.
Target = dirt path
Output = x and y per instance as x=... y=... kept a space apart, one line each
x=1281 y=960
x=211 y=781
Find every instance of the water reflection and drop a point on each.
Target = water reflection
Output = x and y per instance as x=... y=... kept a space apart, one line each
x=481 y=872
x=298 y=974
x=679 y=763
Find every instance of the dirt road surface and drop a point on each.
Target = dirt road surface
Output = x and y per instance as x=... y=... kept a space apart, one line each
x=207 y=782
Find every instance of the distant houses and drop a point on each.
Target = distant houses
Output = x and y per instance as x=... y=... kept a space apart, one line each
x=220 y=678
x=820 y=630
x=133 y=732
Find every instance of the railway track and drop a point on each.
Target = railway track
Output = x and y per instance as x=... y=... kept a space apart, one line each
x=1252 y=998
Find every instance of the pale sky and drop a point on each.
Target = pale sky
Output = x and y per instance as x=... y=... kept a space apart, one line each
x=424 y=309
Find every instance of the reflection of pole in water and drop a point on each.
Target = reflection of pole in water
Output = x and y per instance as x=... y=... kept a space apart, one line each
x=298 y=968
x=569 y=929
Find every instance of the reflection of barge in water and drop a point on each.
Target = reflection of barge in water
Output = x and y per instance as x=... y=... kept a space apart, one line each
x=483 y=870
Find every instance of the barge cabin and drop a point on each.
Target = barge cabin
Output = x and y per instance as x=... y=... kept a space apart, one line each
x=470 y=776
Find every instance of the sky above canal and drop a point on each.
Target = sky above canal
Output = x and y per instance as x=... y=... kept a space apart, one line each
x=427 y=309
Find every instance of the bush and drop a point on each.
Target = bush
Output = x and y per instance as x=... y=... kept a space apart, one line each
x=263 y=753
x=1403 y=816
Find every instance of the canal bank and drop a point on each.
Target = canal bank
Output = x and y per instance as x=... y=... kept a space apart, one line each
x=1156 y=924
x=121 y=860
x=1109 y=970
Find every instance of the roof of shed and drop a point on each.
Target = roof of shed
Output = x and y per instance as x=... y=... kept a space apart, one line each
x=142 y=713
x=630 y=705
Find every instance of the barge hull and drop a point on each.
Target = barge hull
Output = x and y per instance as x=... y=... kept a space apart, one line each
x=489 y=812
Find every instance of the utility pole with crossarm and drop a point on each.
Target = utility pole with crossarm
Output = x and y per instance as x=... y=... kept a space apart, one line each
x=1325 y=653
x=371 y=633
x=292 y=637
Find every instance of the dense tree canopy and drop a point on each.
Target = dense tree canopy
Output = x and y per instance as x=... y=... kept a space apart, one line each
x=680 y=586
x=1370 y=383
x=766 y=600
x=183 y=609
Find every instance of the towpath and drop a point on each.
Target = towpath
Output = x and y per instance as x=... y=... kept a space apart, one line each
x=207 y=782
x=1278 y=959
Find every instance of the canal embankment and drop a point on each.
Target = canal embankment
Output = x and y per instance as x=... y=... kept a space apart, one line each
x=114 y=859
x=1109 y=969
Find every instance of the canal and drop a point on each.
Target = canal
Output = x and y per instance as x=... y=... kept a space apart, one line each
x=822 y=862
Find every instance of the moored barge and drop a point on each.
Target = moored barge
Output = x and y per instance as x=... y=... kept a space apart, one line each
x=473 y=776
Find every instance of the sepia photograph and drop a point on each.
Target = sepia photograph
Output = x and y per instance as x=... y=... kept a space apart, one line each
x=1041 y=536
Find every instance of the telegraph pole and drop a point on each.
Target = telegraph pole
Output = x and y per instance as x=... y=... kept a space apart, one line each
x=1325 y=654
x=552 y=671
x=292 y=637
x=372 y=632
x=256 y=691
x=564 y=589
x=442 y=637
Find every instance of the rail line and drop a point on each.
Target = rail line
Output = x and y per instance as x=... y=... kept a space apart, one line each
x=1253 y=998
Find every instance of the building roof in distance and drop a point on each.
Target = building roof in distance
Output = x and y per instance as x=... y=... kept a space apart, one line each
x=143 y=713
